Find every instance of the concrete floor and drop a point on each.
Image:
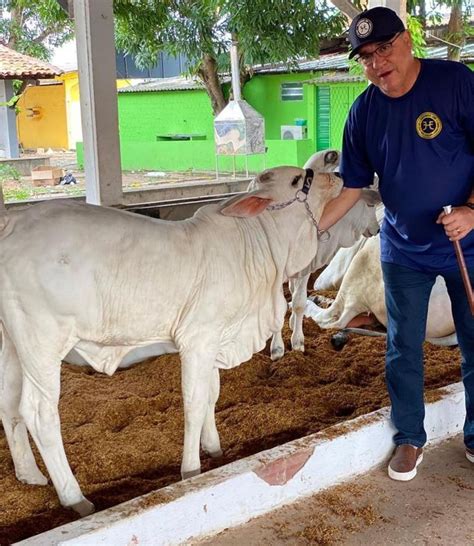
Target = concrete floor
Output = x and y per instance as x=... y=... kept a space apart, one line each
x=436 y=508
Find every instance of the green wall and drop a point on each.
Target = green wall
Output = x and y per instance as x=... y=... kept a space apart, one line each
x=146 y=118
x=342 y=97
x=145 y=115
x=199 y=155
x=264 y=94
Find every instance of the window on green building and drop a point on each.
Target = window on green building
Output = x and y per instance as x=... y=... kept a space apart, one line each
x=292 y=91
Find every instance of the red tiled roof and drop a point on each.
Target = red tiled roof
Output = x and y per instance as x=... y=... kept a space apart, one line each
x=14 y=65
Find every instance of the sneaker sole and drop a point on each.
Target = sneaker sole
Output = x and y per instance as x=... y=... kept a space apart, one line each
x=470 y=457
x=405 y=476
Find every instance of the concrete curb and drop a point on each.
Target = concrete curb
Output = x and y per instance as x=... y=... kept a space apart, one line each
x=235 y=493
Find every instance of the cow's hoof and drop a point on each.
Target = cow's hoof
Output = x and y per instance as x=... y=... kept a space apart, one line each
x=83 y=508
x=190 y=473
x=298 y=347
x=215 y=454
x=276 y=354
x=339 y=340
x=33 y=478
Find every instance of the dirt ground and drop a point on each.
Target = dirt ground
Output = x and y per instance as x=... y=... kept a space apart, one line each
x=123 y=434
x=434 y=509
x=15 y=190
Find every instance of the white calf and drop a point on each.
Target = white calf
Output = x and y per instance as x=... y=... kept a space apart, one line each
x=106 y=283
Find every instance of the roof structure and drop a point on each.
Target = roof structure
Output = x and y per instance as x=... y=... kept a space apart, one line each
x=339 y=77
x=177 y=83
x=340 y=62
x=16 y=66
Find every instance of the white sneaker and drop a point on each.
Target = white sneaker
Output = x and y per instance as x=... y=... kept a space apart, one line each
x=470 y=454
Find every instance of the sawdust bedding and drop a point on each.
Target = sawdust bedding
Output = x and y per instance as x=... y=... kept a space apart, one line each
x=123 y=434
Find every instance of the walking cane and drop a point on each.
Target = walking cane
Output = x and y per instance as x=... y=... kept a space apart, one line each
x=462 y=266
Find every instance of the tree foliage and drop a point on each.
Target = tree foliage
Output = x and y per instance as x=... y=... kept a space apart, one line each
x=266 y=30
x=34 y=27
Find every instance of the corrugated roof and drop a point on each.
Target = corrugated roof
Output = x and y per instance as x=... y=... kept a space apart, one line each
x=333 y=61
x=178 y=83
x=339 y=61
x=441 y=52
x=16 y=66
x=338 y=78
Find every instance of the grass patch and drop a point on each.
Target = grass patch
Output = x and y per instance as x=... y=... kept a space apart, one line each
x=7 y=172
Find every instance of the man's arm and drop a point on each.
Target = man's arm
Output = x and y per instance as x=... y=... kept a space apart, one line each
x=337 y=207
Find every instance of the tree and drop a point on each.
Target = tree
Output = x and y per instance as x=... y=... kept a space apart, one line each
x=34 y=27
x=267 y=31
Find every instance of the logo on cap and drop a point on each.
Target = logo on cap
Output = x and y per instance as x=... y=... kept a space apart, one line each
x=364 y=28
x=428 y=125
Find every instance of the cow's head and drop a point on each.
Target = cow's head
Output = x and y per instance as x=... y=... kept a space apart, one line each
x=277 y=187
x=325 y=161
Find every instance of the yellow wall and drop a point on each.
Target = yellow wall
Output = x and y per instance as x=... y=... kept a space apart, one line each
x=73 y=108
x=50 y=115
x=41 y=122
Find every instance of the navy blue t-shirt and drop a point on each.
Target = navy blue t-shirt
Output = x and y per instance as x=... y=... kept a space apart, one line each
x=421 y=146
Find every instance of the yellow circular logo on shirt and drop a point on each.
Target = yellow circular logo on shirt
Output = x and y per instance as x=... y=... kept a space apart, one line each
x=428 y=125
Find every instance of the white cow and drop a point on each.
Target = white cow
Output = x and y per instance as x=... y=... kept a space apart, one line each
x=331 y=277
x=362 y=291
x=359 y=222
x=106 y=282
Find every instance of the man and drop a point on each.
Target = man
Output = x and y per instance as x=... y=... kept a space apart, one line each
x=414 y=127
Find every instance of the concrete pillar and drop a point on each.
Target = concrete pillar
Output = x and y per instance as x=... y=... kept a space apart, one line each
x=8 y=135
x=98 y=89
x=399 y=6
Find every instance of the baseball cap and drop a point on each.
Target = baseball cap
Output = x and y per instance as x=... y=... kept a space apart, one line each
x=373 y=25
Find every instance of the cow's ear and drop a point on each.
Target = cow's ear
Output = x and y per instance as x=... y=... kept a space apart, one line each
x=371 y=197
x=246 y=206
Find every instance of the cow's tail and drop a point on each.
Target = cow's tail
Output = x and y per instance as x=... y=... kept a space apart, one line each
x=447 y=341
x=3 y=211
x=364 y=332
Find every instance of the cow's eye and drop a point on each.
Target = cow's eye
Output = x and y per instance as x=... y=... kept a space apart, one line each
x=296 y=179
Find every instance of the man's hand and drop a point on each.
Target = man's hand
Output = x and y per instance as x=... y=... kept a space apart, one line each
x=337 y=207
x=458 y=223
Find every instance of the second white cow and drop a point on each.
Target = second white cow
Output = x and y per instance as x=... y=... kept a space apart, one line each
x=359 y=222
x=362 y=291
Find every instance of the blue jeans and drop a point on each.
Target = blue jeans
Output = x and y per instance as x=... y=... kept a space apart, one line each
x=407 y=293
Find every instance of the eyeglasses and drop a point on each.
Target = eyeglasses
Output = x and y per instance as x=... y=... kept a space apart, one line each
x=384 y=50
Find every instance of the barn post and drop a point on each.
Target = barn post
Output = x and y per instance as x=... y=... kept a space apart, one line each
x=8 y=137
x=94 y=22
x=399 y=6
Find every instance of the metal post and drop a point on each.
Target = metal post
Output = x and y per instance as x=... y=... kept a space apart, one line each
x=235 y=69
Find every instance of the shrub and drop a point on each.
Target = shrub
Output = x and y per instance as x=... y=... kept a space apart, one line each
x=7 y=172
